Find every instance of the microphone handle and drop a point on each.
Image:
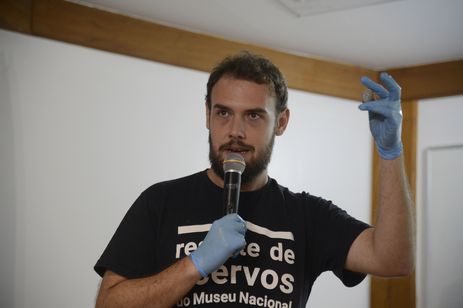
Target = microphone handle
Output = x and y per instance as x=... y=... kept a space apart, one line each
x=232 y=185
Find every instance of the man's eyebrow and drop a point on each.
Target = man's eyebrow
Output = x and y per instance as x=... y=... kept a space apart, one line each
x=257 y=110
x=220 y=106
x=252 y=110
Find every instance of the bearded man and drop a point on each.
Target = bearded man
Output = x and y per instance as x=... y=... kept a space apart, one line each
x=176 y=247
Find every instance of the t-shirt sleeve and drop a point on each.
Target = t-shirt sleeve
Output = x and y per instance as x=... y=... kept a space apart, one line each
x=333 y=232
x=130 y=252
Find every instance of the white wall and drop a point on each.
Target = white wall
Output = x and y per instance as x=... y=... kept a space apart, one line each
x=439 y=203
x=83 y=132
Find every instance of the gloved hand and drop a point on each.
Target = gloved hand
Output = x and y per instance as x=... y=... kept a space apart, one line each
x=385 y=115
x=224 y=239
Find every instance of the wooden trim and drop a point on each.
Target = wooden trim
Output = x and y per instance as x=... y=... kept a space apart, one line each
x=397 y=292
x=86 y=26
x=409 y=136
x=15 y=15
x=428 y=81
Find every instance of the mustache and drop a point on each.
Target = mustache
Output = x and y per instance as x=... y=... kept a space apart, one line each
x=233 y=144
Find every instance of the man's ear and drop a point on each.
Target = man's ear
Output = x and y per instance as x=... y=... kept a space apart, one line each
x=282 y=122
x=208 y=115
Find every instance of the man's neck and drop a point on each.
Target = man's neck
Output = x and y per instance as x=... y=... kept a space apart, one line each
x=257 y=183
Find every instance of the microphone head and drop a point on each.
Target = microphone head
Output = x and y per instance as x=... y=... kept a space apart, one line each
x=234 y=162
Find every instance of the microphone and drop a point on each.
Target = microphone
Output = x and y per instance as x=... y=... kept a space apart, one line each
x=233 y=167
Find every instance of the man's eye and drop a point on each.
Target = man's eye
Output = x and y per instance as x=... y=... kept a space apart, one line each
x=254 y=116
x=222 y=113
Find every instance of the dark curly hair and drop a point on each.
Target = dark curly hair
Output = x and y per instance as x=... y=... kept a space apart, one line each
x=251 y=67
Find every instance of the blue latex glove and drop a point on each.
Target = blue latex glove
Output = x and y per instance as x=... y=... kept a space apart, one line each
x=385 y=115
x=224 y=239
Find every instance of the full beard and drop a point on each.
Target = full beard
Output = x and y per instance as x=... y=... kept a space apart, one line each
x=253 y=168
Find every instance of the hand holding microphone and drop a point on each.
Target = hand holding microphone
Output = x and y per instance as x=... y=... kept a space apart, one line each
x=226 y=236
x=224 y=239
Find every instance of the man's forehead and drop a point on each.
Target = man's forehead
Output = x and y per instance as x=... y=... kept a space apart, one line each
x=231 y=81
x=229 y=87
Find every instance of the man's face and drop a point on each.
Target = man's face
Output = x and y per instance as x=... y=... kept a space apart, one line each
x=242 y=119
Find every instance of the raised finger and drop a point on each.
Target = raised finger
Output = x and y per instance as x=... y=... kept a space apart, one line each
x=375 y=87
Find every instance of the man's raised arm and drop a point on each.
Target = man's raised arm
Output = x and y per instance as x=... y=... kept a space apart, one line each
x=388 y=249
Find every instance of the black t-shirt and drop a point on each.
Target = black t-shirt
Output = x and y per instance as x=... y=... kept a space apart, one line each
x=291 y=239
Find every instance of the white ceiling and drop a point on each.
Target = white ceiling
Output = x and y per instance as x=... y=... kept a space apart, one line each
x=384 y=35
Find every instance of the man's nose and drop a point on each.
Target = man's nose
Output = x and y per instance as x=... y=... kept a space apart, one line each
x=237 y=128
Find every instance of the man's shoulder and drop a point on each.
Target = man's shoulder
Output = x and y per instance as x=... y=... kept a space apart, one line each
x=177 y=183
x=301 y=196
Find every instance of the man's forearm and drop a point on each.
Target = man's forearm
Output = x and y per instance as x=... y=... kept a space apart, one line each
x=394 y=235
x=225 y=238
x=161 y=290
